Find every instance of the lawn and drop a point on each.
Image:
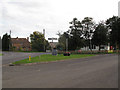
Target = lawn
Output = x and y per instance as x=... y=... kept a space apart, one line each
x=30 y=51
x=1 y=54
x=49 y=57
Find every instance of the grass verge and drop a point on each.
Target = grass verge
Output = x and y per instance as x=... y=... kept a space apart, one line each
x=46 y=58
x=1 y=54
x=30 y=51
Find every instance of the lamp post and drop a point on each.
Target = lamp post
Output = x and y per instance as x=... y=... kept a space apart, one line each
x=44 y=38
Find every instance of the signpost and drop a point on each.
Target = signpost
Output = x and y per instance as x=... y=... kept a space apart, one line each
x=52 y=39
x=54 y=51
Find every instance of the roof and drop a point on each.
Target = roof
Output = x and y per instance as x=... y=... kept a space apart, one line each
x=53 y=44
x=23 y=41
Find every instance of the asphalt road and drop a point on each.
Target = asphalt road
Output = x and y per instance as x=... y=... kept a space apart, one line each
x=94 y=72
x=10 y=57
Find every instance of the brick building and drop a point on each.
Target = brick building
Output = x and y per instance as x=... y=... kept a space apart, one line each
x=20 y=44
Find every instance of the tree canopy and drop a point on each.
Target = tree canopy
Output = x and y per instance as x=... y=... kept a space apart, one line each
x=100 y=36
x=114 y=28
x=6 y=42
x=38 y=41
x=86 y=33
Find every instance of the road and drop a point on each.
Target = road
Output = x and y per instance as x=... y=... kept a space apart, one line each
x=99 y=71
x=9 y=57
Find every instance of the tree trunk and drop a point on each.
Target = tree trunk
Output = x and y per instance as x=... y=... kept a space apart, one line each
x=90 y=46
x=116 y=46
x=99 y=48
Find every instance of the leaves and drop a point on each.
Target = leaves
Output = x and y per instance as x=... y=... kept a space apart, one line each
x=38 y=41
x=114 y=30
x=6 y=42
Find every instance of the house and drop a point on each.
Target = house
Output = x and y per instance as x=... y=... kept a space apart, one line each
x=96 y=48
x=53 y=44
x=20 y=44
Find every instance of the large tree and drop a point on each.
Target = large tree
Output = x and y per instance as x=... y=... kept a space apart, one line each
x=114 y=29
x=38 y=41
x=76 y=33
x=88 y=29
x=100 y=36
x=62 y=40
x=6 y=42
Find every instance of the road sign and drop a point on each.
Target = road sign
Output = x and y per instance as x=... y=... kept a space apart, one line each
x=52 y=38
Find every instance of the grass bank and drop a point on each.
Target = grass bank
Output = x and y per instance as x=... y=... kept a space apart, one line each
x=1 y=54
x=46 y=58
x=30 y=51
x=92 y=52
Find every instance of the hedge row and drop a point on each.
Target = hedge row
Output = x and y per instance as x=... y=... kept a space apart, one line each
x=91 y=52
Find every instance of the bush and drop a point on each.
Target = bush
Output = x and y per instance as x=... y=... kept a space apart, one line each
x=66 y=54
x=90 y=52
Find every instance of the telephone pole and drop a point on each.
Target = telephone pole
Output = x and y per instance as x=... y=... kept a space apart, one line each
x=44 y=38
x=66 y=44
x=10 y=32
x=10 y=41
x=44 y=32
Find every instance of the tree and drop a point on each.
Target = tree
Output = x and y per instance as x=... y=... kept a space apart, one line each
x=62 y=40
x=100 y=35
x=38 y=41
x=76 y=32
x=47 y=46
x=88 y=28
x=114 y=26
x=6 y=42
x=76 y=35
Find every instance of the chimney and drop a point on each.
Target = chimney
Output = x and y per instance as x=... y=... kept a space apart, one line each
x=28 y=38
x=16 y=38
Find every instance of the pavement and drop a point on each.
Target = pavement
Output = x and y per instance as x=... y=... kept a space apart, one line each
x=99 y=71
x=9 y=57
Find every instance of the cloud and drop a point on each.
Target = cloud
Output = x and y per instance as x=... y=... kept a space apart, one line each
x=25 y=16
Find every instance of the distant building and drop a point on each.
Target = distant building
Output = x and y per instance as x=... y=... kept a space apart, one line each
x=96 y=48
x=20 y=44
x=53 y=44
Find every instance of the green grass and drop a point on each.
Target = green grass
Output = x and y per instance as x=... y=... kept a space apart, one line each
x=29 y=51
x=46 y=58
x=1 y=54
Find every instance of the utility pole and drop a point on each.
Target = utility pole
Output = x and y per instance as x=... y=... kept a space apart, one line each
x=44 y=38
x=44 y=32
x=10 y=32
x=10 y=41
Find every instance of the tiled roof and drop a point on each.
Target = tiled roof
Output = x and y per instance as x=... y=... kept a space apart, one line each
x=23 y=41
x=53 y=44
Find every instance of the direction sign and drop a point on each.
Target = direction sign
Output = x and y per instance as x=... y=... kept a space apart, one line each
x=52 y=38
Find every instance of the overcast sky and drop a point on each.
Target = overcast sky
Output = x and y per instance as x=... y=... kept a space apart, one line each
x=23 y=17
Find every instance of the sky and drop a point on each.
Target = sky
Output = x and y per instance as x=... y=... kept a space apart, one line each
x=23 y=17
